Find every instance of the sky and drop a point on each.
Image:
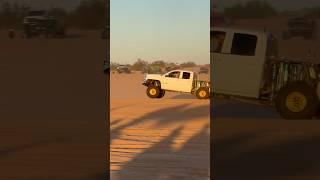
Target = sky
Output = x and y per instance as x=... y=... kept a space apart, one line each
x=170 y=30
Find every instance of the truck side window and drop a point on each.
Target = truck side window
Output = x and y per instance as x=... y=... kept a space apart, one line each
x=175 y=74
x=186 y=75
x=244 y=44
x=216 y=41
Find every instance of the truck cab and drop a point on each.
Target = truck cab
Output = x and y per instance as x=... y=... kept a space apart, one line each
x=245 y=65
x=238 y=59
x=176 y=81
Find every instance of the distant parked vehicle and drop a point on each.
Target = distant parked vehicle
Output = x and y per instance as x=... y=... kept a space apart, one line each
x=300 y=27
x=123 y=69
x=203 y=70
x=41 y=23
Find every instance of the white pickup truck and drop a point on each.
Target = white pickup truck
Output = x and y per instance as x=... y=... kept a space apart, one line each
x=245 y=65
x=176 y=81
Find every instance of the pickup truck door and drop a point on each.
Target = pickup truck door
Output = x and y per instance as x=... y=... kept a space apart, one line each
x=180 y=81
x=238 y=67
x=184 y=83
x=170 y=80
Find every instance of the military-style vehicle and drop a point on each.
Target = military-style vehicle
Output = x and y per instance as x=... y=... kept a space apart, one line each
x=38 y=23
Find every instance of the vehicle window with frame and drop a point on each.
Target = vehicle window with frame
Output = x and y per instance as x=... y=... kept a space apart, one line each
x=216 y=41
x=186 y=75
x=244 y=44
x=175 y=74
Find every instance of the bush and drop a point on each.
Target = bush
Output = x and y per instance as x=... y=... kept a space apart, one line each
x=159 y=63
x=114 y=65
x=251 y=9
x=139 y=65
x=188 y=64
x=90 y=14
x=11 y=14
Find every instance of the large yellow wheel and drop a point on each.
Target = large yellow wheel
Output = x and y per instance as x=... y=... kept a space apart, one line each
x=153 y=91
x=202 y=93
x=297 y=100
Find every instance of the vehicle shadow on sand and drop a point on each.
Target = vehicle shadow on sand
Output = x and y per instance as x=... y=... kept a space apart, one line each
x=241 y=110
x=184 y=96
x=161 y=161
x=232 y=159
x=165 y=116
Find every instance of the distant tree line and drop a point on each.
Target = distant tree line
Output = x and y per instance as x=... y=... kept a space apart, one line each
x=140 y=64
x=257 y=9
x=313 y=12
x=251 y=10
x=89 y=14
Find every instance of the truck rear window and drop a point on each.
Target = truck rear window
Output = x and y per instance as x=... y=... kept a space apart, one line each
x=186 y=75
x=244 y=44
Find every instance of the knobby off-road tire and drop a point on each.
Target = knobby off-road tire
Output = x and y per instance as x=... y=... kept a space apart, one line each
x=297 y=101
x=153 y=91
x=161 y=94
x=203 y=93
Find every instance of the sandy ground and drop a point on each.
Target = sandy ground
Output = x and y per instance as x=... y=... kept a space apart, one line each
x=252 y=142
x=53 y=107
x=157 y=138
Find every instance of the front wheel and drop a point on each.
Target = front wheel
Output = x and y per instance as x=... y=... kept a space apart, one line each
x=153 y=91
x=297 y=101
x=203 y=93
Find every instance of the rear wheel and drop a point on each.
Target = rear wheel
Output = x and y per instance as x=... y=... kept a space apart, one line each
x=153 y=91
x=297 y=101
x=202 y=93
